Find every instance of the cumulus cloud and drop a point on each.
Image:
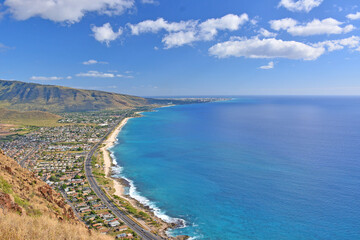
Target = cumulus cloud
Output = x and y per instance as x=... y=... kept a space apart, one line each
x=266 y=48
x=92 y=61
x=353 y=16
x=270 y=65
x=300 y=5
x=231 y=22
x=179 y=39
x=42 y=78
x=315 y=27
x=105 y=33
x=70 y=11
x=284 y=23
x=265 y=33
x=150 y=26
x=332 y=45
x=187 y=32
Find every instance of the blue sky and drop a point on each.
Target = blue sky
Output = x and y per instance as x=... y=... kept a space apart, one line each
x=184 y=47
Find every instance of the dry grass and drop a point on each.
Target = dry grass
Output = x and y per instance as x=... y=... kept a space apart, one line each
x=30 y=118
x=16 y=227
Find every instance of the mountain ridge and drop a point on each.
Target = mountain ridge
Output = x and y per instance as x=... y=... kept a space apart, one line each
x=24 y=96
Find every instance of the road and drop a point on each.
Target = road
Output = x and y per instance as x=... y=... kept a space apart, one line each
x=144 y=234
x=69 y=203
x=22 y=162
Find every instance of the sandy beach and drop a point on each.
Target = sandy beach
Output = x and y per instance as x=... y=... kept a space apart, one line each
x=109 y=142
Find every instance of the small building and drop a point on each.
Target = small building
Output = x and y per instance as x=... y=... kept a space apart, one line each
x=121 y=235
x=122 y=228
x=114 y=224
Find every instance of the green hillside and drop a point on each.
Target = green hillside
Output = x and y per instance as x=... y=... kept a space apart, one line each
x=29 y=96
x=32 y=118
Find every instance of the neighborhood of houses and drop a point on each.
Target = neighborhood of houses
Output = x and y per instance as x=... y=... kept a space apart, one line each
x=57 y=154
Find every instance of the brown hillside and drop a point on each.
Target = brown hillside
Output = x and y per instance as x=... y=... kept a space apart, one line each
x=33 y=118
x=29 y=208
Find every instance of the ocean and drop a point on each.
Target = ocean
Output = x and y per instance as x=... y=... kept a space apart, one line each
x=249 y=168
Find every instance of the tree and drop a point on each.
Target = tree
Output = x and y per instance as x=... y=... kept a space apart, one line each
x=54 y=179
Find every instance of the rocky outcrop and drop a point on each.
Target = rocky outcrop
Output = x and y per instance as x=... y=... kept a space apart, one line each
x=7 y=204
x=49 y=194
x=38 y=196
x=8 y=169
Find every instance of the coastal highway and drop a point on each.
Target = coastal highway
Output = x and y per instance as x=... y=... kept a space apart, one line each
x=144 y=234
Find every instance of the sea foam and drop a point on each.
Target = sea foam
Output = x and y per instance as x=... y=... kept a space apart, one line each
x=133 y=193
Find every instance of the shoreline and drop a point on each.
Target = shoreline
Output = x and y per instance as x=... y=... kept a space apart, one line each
x=108 y=160
x=121 y=183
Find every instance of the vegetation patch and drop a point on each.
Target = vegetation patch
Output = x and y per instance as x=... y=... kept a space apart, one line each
x=5 y=186
x=20 y=201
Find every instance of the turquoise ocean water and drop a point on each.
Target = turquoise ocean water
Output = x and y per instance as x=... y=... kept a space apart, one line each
x=250 y=168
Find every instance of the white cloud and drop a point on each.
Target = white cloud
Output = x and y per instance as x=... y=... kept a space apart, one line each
x=231 y=22
x=265 y=33
x=187 y=32
x=160 y=24
x=92 y=61
x=89 y=62
x=179 y=39
x=353 y=16
x=284 y=23
x=315 y=27
x=124 y=76
x=3 y=47
x=255 y=20
x=70 y=11
x=300 y=5
x=266 y=48
x=332 y=45
x=269 y=66
x=105 y=33
x=96 y=74
x=153 y=2
x=42 y=78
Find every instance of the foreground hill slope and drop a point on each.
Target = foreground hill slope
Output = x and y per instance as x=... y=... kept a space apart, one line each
x=16 y=227
x=30 y=96
x=30 y=209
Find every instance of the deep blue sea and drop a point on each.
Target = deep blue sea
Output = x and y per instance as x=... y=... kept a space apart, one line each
x=250 y=168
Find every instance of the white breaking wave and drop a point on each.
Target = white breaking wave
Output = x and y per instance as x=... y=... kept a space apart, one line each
x=143 y=200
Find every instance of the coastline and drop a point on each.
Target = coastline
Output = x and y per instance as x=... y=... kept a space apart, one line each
x=133 y=197
x=108 y=161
